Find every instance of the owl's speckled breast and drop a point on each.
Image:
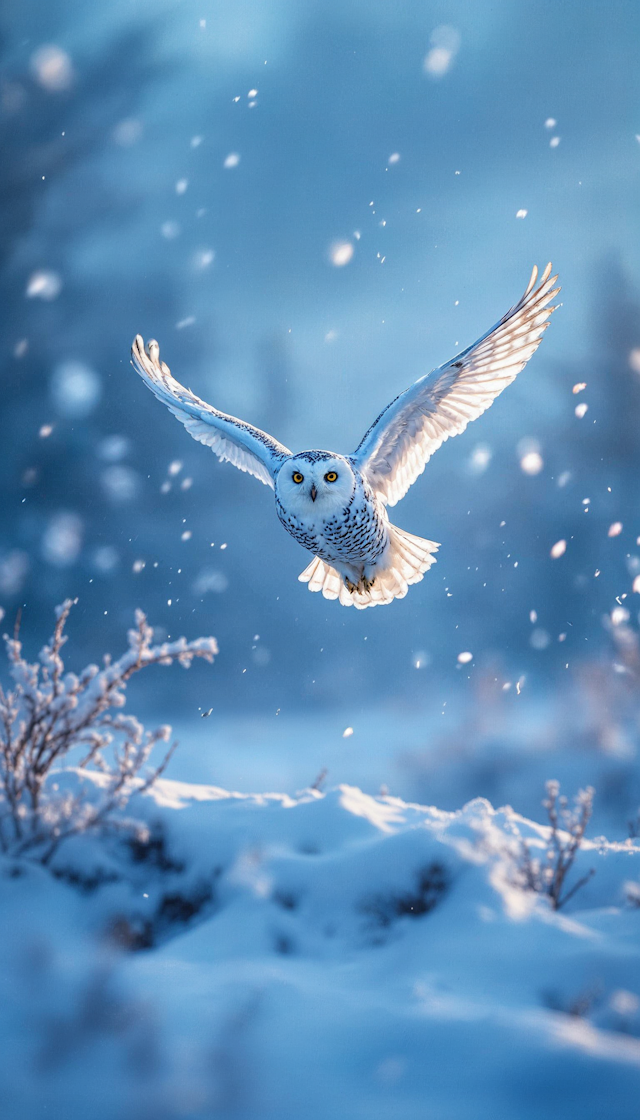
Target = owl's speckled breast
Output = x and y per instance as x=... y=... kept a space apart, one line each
x=357 y=533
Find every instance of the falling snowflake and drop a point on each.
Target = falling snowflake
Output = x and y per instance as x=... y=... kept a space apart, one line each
x=203 y=258
x=44 y=285
x=340 y=253
x=480 y=458
x=619 y=615
x=62 y=539
x=532 y=463
x=539 y=639
x=445 y=44
x=75 y=389
x=170 y=230
x=127 y=133
x=52 y=68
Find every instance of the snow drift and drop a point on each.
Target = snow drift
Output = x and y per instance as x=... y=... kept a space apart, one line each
x=323 y=955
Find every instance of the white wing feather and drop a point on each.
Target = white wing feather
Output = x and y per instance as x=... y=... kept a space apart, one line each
x=233 y=440
x=397 y=447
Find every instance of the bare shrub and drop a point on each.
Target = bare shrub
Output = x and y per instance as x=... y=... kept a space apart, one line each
x=320 y=780
x=52 y=719
x=134 y=932
x=432 y=883
x=578 y=1006
x=567 y=827
x=97 y=1011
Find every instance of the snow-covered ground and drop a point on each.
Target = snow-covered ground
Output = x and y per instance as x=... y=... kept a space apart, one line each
x=324 y=955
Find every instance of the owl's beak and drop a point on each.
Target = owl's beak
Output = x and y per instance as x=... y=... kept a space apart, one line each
x=313 y=492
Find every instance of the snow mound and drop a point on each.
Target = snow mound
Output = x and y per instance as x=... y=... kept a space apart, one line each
x=320 y=955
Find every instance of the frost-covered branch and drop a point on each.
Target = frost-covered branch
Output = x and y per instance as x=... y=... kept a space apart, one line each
x=567 y=827
x=51 y=719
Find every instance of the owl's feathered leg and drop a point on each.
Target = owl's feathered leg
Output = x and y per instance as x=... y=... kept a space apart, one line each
x=403 y=562
x=352 y=575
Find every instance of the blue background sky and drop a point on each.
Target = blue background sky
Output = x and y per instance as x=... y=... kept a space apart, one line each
x=114 y=182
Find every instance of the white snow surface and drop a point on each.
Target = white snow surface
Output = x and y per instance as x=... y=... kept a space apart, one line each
x=309 y=983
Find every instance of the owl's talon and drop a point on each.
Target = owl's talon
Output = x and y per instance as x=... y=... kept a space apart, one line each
x=368 y=583
x=351 y=587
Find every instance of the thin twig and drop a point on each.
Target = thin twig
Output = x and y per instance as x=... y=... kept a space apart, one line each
x=563 y=844
x=50 y=717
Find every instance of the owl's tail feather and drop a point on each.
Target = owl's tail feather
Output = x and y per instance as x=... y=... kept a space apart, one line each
x=406 y=561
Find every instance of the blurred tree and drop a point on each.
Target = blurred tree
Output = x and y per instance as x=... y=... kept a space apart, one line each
x=275 y=378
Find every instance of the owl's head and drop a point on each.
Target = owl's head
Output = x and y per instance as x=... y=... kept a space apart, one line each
x=314 y=483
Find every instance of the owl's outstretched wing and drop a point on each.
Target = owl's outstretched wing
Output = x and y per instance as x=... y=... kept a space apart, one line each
x=239 y=443
x=399 y=444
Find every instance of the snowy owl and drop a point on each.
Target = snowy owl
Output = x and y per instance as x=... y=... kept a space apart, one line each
x=336 y=505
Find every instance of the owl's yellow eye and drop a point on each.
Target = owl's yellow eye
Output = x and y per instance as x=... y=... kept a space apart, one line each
x=331 y=476
x=297 y=477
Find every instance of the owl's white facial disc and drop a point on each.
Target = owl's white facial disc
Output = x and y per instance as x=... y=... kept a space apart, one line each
x=314 y=484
